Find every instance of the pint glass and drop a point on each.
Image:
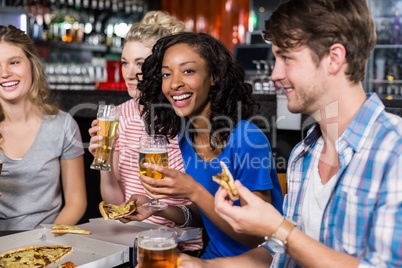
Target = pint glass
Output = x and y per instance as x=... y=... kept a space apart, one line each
x=156 y=248
x=108 y=120
x=153 y=149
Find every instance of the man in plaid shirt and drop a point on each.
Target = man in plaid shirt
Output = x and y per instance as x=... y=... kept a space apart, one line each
x=344 y=201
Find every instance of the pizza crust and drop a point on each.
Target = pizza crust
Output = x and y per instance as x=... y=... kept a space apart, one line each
x=227 y=184
x=67 y=229
x=110 y=212
x=68 y=264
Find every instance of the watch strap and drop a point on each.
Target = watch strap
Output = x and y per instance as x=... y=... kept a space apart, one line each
x=284 y=230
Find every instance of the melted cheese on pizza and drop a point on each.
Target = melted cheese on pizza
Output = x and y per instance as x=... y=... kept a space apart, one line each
x=113 y=210
x=222 y=176
x=28 y=257
x=65 y=227
x=40 y=256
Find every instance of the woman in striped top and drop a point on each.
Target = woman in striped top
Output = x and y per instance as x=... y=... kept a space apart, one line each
x=123 y=183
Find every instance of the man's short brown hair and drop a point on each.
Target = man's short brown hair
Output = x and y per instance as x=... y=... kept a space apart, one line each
x=319 y=24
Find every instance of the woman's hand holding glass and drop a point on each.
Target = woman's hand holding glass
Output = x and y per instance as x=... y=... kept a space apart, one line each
x=176 y=184
x=153 y=149
x=108 y=119
x=93 y=142
x=93 y=133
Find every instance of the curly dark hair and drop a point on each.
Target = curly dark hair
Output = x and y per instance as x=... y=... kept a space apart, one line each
x=231 y=98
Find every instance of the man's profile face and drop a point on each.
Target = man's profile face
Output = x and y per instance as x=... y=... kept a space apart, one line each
x=300 y=76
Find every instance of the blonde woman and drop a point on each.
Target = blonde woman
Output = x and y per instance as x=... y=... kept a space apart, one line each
x=39 y=141
x=122 y=183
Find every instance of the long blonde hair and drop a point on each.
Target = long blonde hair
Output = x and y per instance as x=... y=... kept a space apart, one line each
x=153 y=26
x=39 y=93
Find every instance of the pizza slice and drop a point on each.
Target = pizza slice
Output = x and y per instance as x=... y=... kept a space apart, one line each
x=225 y=179
x=34 y=256
x=67 y=229
x=51 y=254
x=68 y=264
x=110 y=211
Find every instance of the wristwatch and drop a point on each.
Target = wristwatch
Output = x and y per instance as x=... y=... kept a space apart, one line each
x=277 y=242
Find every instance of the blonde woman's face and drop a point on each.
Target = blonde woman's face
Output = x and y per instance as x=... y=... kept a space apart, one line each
x=133 y=56
x=15 y=73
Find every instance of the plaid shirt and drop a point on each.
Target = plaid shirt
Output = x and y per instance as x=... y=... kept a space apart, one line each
x=363 y=217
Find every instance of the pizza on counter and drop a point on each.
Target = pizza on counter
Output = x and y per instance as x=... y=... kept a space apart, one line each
x=38 y=257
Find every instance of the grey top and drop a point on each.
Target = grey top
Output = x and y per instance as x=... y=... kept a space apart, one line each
x=31 y=186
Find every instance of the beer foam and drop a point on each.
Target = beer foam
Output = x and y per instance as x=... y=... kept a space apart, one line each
x=153 y=150
x=108 y=118
x=157 y=245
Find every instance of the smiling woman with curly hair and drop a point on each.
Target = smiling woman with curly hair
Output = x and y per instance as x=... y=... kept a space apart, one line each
x=192 y=88
x=229 y=93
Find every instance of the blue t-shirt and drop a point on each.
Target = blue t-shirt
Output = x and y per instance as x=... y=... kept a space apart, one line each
x=249 y=158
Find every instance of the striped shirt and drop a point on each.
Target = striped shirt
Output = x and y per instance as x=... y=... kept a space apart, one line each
x=131 y=127
x=363 y=217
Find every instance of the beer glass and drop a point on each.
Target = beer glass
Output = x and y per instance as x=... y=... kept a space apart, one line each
x=108 y=120
x=156 y=248
x=153 y=149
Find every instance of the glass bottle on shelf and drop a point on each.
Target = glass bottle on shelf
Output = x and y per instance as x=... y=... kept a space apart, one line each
x=267 y=85
x=396 y=29
x=257 y=81
x=392 y=77
x=94 y=4
x=383 y=34
x=380 y=61
x=85 y=3
x=271 y=65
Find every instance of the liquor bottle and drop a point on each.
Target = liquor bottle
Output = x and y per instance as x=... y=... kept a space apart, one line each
x=266 y=80
x=383 y=34
x=257 y=81
x=396 y=29
x=101 y=5
x=77 y=4
x=127 y=6
x=107 y=4
x=94 y=4
x=85 y=3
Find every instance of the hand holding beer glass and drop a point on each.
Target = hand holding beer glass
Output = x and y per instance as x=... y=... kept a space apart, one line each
x=108 y=120
x=156 y=248
x=153 y=149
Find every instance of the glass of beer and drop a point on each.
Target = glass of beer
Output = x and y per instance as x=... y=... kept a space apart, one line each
x=108 y=120
x=153 y=149
x=156 y=248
